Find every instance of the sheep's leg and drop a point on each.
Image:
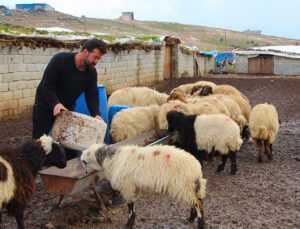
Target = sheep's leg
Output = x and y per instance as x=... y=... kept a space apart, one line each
x=232 y=156
x=0 y=217
x=193 y=215
x=268 y=150
x=202 y=155
x=131 y=215
x=260 y=150
x=20 y=220
x=222 y=165
x=200 y=214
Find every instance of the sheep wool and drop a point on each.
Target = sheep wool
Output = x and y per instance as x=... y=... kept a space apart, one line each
x=159 y=169
x=137 y=96
x=228 y=90
x=218 y=131
x=174 y=105
x=7 y=182
x=187 y=88
x=133 y=121
x=263 y=123
x=264 y=126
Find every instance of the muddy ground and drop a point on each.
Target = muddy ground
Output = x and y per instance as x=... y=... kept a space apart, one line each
x=263 y=195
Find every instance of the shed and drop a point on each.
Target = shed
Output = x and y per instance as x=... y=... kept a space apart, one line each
x=269 y=60
x=205 y=63
x=35 y=6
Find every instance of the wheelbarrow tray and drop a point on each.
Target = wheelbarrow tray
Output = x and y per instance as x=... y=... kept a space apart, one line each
x=69 y=180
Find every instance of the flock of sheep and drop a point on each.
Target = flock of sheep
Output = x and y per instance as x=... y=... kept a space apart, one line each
x=209 y=119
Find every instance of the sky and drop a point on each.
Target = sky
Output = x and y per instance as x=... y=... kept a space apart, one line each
x=273 y=17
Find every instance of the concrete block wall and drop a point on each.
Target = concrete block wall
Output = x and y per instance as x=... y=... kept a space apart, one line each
x=286 y=66
x=127 y=69
x=21 y=70
x=185 y=65
x=241 y=63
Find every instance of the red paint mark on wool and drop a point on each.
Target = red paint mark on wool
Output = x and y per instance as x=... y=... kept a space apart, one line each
x=167 y=157
x=156 y=153
x=215 y=100
x=176 y=106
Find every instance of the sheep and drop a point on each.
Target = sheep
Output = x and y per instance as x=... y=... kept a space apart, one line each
x=238 y=97
x=263 y=126
x=137 y=96
x=204 y=134
x=187 y=88
x=177 y=94
x=18 y=170
x=219 y=89
x=133 y=121
x=159 y=169
x=234 y=109
x=165 y=108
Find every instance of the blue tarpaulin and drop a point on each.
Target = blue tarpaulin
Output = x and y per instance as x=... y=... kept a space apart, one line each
x=222 y=57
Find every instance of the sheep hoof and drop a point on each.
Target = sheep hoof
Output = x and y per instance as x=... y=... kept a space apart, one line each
x=220 y=168
x=200 y=223
x=233 y=172
x=270 y=157
x=130 y=222
x=259 y=160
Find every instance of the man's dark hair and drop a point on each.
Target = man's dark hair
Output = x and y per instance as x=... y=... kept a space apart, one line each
x=91 y=44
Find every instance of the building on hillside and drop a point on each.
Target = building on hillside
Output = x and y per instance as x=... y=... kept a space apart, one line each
x=35 y=6
x=4 y=11
x=127 y=16
x=257 y=32
x=269 y=60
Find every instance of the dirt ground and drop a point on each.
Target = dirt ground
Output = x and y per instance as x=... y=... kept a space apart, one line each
x=263 y=195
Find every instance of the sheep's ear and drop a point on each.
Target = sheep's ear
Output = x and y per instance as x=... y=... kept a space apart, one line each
x=46 y=143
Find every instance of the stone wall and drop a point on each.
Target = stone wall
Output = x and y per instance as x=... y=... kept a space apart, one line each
x=241 y=63
x=185 y=64
x=286 y=66
x=21 y=70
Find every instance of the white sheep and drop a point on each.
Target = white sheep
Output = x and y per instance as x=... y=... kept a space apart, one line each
x=173 y=105
x=159 y=169
x=133 y=121
x=263 y=126
x=204 y=134
x=137 y=96
x=187 y=88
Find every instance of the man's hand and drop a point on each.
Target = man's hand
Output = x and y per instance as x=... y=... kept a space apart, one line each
x=58 y=108
x=98 y=117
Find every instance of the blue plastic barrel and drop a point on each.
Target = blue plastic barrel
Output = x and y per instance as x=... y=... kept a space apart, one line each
x=81 y=107
x=113 y=109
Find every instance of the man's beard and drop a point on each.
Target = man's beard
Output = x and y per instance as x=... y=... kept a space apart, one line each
x=89 y=64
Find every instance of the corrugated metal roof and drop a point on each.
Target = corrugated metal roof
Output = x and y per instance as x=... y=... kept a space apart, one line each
x=290 y=51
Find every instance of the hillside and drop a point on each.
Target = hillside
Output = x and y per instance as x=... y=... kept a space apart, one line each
x=205 y=38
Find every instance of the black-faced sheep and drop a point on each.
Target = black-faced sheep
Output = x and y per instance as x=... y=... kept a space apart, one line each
x=263 y=126
x=137 y=96
x=204 y=134
x=18 y=170
x=159 y=169
x=187 y=88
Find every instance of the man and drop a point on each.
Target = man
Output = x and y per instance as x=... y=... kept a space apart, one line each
x=65 y=78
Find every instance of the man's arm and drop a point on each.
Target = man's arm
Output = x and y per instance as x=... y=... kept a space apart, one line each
x=92 y=96
x=50 y=81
